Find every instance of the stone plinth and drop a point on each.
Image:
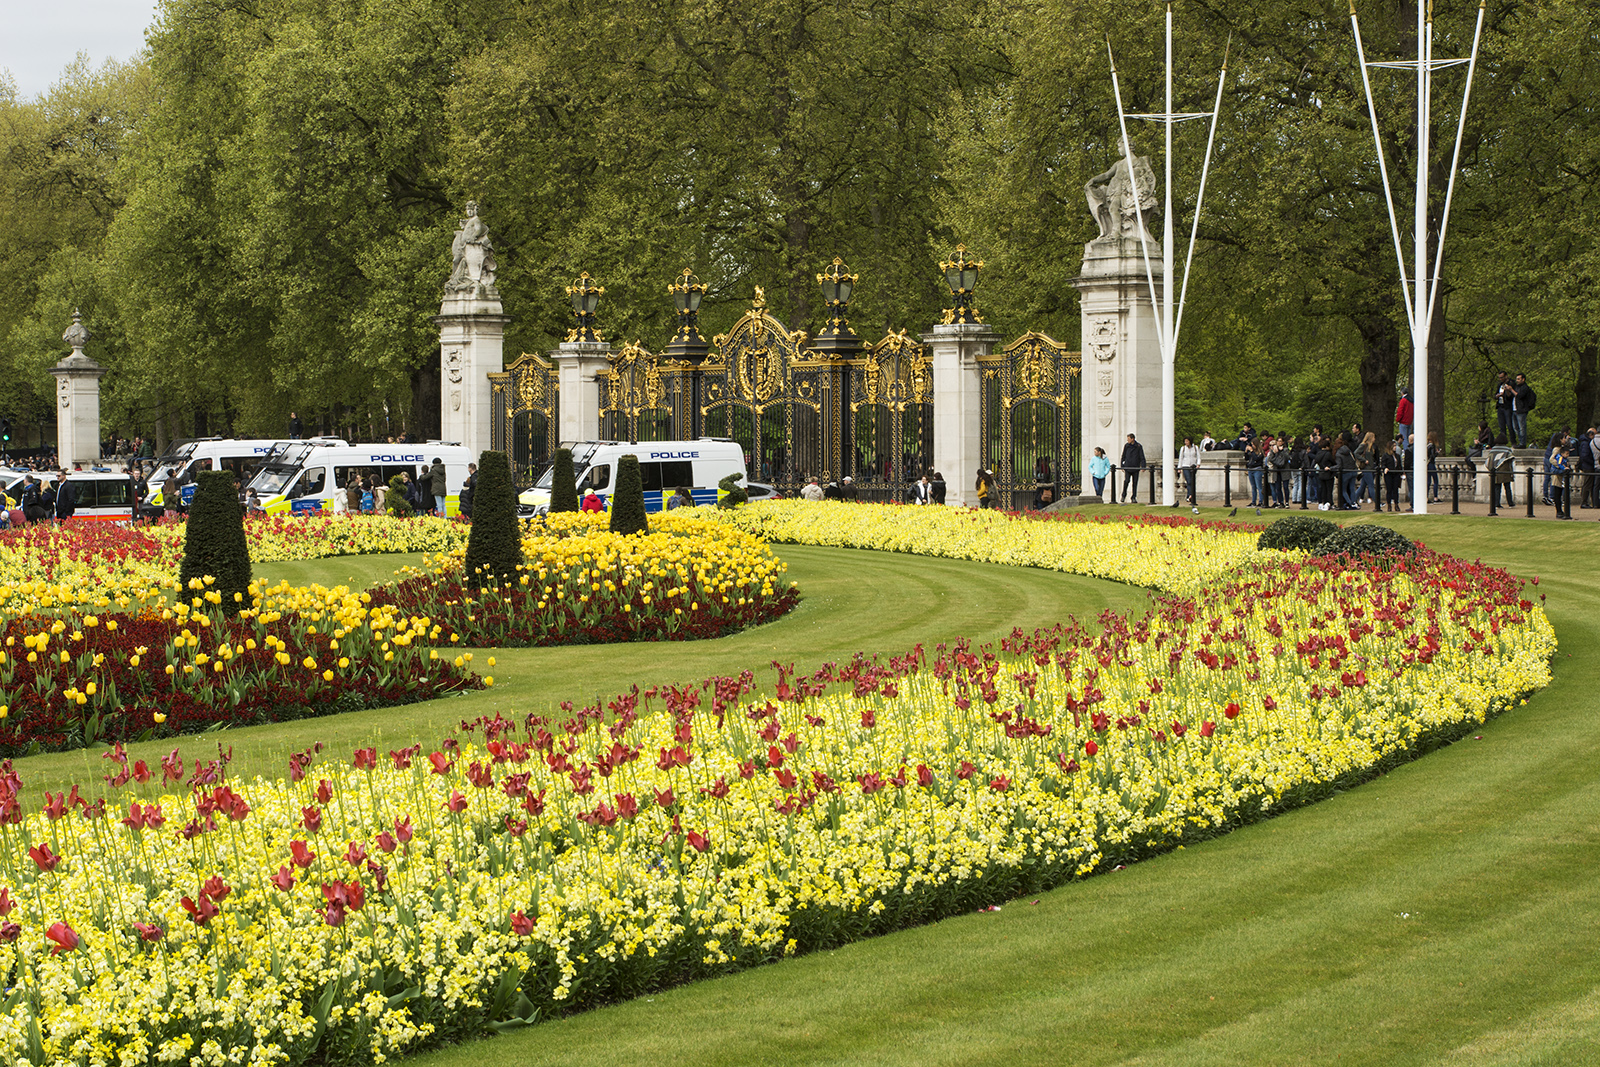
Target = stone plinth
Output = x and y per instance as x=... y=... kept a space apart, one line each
x=578 y=366
x=77 y=400
x=472 y=330
x=958 y=406
x=1121 y=352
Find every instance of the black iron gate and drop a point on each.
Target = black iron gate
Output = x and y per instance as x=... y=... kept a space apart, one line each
x=891 y=417
x=525 y=423
x=1032 y=392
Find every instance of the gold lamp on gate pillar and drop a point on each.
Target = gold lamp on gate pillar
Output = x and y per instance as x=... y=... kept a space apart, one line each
x=961 y=274
x=585 y=297
x=837 y=338
x=687 y=291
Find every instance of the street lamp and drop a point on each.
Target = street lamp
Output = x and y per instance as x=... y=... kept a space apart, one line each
x=687 y=291
x=585 y=297
x=961 y=275
x=837 y=337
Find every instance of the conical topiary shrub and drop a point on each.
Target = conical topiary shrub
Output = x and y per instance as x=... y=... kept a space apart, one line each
x=563 y=483
x=213 y=541
x=494 y=548
x=627 y=504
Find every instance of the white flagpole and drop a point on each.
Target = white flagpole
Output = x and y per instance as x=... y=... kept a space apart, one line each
x=1169 y=375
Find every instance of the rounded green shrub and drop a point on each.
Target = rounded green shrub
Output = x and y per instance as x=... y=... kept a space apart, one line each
x=627 y=503
x=213 y=541
x=732 y=494
x=563 y=483
x=1296 y=531
x=1363 y=540
x=494 y=548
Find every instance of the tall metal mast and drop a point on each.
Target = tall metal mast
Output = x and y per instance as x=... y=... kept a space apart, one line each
x=1170 y=299
x=1422 y=289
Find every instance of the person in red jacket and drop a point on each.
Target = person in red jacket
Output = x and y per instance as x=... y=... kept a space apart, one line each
x=1403 y=414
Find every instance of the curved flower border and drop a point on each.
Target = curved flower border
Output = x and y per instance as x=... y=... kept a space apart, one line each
x=365 y=906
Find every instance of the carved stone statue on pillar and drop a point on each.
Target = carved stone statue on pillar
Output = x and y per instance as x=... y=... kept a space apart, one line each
x=471 y=335
x=77 y=399
x=1121 y=349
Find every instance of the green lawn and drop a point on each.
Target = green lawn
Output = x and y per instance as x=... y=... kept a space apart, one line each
x=1446 y=913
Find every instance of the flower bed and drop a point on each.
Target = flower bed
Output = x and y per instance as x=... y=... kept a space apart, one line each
x=687 y=578
x=94 y=566
x=65 y=683
x=1177 y=555
x=394 y=900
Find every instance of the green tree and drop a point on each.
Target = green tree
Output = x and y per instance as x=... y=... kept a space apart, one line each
x=627 y=503
x=563 y=483
x=214 y=545
x=494 y=547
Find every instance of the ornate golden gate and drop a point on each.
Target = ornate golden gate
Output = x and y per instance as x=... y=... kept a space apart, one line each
x=779 y=401
x=525 y=422
x=1032 y=392
x=644 y=397
x=891 y=417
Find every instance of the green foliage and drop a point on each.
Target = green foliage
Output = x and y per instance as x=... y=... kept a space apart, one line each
x=1304 y=532
x=1363 y=540
x=732 y=494
x=627 y=503
x=213 y=540
x=494 y=548
x=394 y=498
x=563 y=483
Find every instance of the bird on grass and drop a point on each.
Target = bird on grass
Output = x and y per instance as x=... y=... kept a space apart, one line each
x=1195 y=510
x=1232 y=513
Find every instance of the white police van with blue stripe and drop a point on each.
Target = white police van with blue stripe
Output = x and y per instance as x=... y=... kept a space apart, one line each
x=664 y=466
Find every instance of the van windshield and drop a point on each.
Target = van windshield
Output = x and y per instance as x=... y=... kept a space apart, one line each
x=581 y=455
x=273 y=478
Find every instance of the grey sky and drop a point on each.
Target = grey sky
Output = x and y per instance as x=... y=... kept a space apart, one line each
x=38 y=38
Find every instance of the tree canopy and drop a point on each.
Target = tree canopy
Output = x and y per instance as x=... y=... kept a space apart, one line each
x=255 y=216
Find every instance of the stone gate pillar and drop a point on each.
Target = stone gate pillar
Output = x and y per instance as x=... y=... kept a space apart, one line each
x=578 y=365
x=1121 y=349
x=958 y=406
x=472 y=326
x=77 y=400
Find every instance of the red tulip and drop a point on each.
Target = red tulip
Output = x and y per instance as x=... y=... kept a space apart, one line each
x=311 y=818
x=627 y=806
x=699 y=841
x=533 y=803
x=386 y=841
x=664 y=798
x=216 y=889
x=521 y=925
x=1000 y=784
x=284 y=880
x=324 y=791
x=1178 y=729
x=9 y=932
x=366 y=759
x=355 y=855
x=141 y=772
x=965 y=770
x=65 y=937
x=43 y=857
x=1208 y=728
x=786 y=778
x=402 y=829
x=7 y=904
x=457 y=802
x=200 y=913
x=747 y=769
x=148 y=931
x=1231 y=711
x=924 y=775
x=440 y=762
x=1090 y=748
x=300 y=854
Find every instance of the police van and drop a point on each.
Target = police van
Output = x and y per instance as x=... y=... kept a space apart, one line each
x=99 y=495
x=243 y=458
x=663 y=467
x=303 y=477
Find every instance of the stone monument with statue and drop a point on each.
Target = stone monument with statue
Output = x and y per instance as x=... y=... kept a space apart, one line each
x=77 y=400
x=472 y=325
x=1121 y=344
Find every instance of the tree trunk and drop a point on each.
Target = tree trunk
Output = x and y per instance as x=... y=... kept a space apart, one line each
x=201 y=426
x=1380 y=360
x=1586 y=390
x=426 y=391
